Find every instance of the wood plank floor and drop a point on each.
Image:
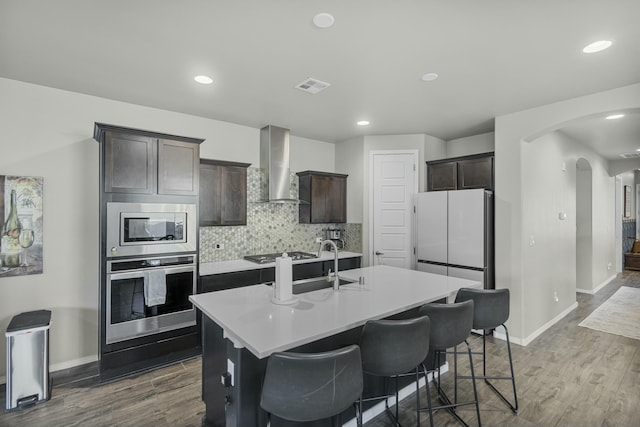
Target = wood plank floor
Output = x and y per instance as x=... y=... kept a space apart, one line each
x=569 y=376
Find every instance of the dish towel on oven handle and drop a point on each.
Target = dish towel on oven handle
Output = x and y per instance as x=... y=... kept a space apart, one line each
x=155 y=288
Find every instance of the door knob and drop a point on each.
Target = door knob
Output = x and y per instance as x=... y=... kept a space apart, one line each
x=379 y=253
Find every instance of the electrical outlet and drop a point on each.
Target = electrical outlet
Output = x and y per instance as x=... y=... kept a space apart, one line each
x=609 y=266
x=555 y=297
x=532 y=240
x=318 y=239
x=219 y=246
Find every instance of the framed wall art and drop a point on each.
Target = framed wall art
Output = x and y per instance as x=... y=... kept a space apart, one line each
x=21 y=219
x=627 y=201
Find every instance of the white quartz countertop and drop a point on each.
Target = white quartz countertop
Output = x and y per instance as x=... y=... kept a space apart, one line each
x=220 y=267
x=249 y=318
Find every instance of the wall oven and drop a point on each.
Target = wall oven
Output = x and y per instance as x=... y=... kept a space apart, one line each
x=150 y=228
x=129 y=311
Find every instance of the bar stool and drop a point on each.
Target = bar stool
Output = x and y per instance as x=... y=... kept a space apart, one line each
x=393 y=348
x=491 y=309
x=304 y=387
x=450 y=326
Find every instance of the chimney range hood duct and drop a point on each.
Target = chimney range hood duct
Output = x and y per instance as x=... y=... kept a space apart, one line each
x=274 y=160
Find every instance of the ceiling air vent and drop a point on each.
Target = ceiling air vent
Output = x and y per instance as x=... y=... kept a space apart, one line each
x=312 y=86
x=634 y=155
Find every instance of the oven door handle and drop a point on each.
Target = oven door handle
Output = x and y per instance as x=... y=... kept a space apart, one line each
x=182 y=269
x=141 y=274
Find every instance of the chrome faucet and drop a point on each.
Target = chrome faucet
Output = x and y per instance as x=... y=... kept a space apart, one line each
x=336 y=279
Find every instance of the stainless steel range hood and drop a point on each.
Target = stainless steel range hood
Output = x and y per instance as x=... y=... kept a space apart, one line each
x=274 y=160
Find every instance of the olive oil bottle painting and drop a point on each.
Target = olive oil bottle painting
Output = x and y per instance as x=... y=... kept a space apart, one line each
x=21 y=220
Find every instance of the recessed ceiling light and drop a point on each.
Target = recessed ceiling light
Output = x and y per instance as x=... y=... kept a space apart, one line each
x=429 y=77
x=363 y=123
x=323 y=20
x=637 y=149
x=597 y=46
x=614 y=116
x=205 y=80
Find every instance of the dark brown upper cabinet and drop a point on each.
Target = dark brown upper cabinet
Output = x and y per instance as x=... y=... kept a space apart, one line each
x=178 y=164
x=130 y=164
x=475 y=173
x=442 y=176
x=144 y=162
x=223 y=193
x=461 y=173
x=326 y=194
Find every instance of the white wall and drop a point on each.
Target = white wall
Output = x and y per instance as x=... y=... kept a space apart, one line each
x=311 y=154
x=476 y=144
x=350 y=160
x=514 y=268
x=48 y=132
x=550 y=265
x=584 y=224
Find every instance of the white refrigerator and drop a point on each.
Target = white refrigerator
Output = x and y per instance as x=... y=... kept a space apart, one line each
x=455 y=234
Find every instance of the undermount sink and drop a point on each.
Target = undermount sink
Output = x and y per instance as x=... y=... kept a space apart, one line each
x=315 y=283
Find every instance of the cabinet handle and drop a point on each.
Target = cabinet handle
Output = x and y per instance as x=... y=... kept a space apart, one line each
x=379 y=253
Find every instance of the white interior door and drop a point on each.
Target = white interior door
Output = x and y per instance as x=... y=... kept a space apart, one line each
x=394 y=185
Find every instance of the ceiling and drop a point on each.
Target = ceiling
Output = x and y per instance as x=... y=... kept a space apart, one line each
x=493 y=57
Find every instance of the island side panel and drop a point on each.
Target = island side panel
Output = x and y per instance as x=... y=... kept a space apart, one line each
x=214 y=364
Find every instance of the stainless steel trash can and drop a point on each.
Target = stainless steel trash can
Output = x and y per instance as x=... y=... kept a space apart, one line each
x=28 y=359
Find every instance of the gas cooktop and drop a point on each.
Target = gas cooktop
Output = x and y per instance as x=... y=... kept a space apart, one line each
x=266 y=258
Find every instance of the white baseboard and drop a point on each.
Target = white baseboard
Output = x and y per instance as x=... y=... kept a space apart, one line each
x=597 y=288
x=526 y=341
x=73 y=363
x=405 y=392
x=64 y=365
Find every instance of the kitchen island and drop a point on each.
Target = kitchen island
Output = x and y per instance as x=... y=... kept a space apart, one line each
x=242 y=327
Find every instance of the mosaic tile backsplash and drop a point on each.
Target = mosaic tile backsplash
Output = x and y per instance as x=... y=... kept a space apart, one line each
x=271 y=227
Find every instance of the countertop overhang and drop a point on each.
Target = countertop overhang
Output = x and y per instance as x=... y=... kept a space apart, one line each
x=220 y=267
x=249 y=318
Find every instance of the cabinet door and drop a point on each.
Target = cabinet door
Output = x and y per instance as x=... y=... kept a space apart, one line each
x=343 y=264
x=178 y=167
x=475 y=173
x=223 y=194
x=307 y=270
x=337 y=200
x=328 y=199
x=234 y=195
x=236 y=279
x=129 y=164
x=320 y=207
x=210 y=195
x=442 y=176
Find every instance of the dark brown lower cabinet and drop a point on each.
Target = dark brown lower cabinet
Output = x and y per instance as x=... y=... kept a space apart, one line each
x=237 y=279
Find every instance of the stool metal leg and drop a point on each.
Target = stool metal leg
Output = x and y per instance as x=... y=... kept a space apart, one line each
x=426 y=386
x=444 y=399
x=473 y=381
x=486 y=378
x=514 y=406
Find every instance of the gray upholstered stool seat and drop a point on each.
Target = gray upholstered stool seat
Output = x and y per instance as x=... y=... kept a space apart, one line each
x=450 y=326
x=391 y=348
x=305 y=387
x=491 y=309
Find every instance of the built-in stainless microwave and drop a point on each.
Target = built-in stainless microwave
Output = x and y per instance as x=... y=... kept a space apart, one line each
x=150 y=228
